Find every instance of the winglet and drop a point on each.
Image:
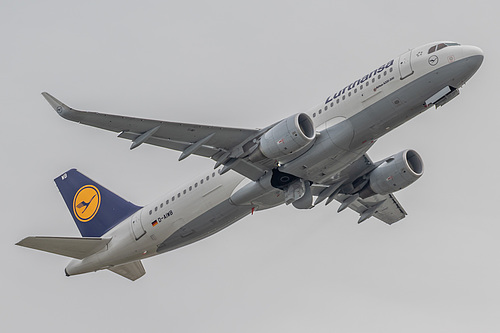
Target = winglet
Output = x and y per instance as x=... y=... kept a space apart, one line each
x=62 y=109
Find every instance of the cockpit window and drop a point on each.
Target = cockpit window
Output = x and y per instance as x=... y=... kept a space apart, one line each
x=441 y=46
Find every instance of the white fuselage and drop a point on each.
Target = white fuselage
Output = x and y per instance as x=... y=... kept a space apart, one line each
x=366 y=109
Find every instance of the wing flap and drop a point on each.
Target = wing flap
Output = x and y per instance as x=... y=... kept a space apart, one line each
x=205 y=151
x=390 y=210
x=132 y=270
x=248 y=169
x=73 y=247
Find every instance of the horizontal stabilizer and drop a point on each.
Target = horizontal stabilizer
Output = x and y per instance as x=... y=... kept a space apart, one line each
x=132 y=270
x=74 y=247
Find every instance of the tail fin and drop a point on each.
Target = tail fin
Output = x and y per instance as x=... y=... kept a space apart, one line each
x=94 y=208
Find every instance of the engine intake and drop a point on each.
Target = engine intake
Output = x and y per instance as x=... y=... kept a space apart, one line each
x=287 y=137
x=396 y=173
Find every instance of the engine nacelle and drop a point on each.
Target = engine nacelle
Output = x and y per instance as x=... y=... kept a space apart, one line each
x=288 y=136
x=396 y=173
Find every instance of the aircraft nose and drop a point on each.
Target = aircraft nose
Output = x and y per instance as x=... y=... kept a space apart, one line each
x=473 y=50
x=474 y=55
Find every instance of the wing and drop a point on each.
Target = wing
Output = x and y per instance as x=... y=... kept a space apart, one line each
x=223 y=144
x=345 y=187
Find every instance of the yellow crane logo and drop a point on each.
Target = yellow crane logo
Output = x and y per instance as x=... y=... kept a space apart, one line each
x=86 y=203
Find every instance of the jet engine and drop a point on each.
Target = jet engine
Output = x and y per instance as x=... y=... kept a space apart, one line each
x=395 y=173
x=287 y=137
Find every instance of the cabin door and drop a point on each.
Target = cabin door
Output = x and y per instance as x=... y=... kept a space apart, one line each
x=405 y=69
x=137 y=226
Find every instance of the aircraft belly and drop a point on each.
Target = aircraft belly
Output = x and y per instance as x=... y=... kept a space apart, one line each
x=322 y=172
x=208 y=223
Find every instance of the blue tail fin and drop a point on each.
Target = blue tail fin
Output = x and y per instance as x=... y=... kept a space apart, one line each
x=94 y=208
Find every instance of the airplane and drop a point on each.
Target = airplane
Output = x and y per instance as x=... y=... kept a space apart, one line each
x=302 y=160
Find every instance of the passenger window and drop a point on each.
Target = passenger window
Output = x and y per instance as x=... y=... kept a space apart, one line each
x=361 y=87
x=338 y=100
x=173 y=198
x=314 y=114
x=156 y=209
x=178 y=195
x=167 y=202
x=343 y=97
x=213 y=174
x=208 y=177
x=195 y=185
x=201 y=181
x=331 y=104
x=349 y=94
x=150 y=212
x=320 y=111
x=356 y=90
x=190 y=188
x=184 y=192
x=161 y=205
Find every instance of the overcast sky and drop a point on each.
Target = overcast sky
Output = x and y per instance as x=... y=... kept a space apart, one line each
x=246 y=64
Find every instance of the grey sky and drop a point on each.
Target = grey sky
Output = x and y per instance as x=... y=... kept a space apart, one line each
x=246 y=64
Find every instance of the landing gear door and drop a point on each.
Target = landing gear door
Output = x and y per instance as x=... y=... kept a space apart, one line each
x=137 y=228
x=405 y=69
